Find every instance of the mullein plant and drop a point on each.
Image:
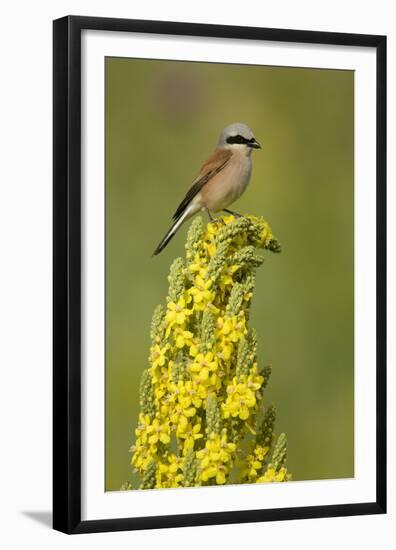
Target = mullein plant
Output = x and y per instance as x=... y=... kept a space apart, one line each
x=203 y=420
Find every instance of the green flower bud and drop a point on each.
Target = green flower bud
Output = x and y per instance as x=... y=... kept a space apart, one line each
x=265 y=431
x=176 y=280
x=244 y=362
x=218 y=261
x=157 y=324
x=237 y=429
x=190 y=469
x=266 y=372
x=213 y=416
x=232 y=230
x=194 y=236
x=247 y=258
x=148 y=481
x=280 y=452
x=235 y=300
x=146 y=394
x=252 y=339
x=179 y=370
x=207 y=330
x=274 y=246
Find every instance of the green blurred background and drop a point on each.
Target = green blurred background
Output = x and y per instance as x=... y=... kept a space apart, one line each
x=162 y=120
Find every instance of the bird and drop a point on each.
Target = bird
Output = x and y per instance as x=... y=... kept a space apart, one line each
x=222 y=179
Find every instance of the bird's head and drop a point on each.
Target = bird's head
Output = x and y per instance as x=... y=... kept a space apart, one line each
x=238 y=136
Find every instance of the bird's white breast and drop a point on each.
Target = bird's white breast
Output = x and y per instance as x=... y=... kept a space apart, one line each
x=227 y=186
x=240 y=172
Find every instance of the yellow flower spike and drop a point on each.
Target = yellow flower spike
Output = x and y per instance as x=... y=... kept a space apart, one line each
x=203 y=390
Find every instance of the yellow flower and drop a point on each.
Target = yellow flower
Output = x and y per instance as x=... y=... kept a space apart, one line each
x=198 y=266
x=160 y=391
x=169 y=473
x=226 y=348
x=158 y=355
x=234 y=328
x=194 y=348
x=198 y=392
x=261 y=452
x=180 y=415
x=215 y=458
x=200 y=291
x=272 y=475
x=254 y=463
x=158 y=432
x=266 y=234
x=226 y=276
x=253 y=381
x=228 y=219
x=190 y=433
x=239 y=400
x=187 y=394
x=141 y=456
x=177 y=313
x=143 y=425
x=182 y=337
x=210 y=248
x=204 y=365
x=191 y=395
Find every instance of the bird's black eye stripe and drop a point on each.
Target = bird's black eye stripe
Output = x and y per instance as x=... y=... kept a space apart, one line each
x=239 y=139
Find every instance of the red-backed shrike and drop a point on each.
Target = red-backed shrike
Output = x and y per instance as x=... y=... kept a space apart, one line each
x=222 y=179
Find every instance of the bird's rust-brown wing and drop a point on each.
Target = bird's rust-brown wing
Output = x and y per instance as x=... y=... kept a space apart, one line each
x=214 y=164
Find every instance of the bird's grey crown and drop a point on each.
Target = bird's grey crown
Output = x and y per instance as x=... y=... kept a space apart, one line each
x=238 y=128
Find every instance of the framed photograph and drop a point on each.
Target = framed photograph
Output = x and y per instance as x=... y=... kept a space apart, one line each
x=226 y=364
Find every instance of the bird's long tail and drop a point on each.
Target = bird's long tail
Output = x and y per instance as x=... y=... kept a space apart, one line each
x=173 y=230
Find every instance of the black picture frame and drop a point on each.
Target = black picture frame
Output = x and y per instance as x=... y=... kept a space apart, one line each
x=67 y=273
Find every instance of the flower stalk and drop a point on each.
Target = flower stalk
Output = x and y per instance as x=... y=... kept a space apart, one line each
x=203 y=418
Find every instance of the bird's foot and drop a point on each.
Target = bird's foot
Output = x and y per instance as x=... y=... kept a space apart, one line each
x=215 y=220
x=235 y=214
x=218 y=221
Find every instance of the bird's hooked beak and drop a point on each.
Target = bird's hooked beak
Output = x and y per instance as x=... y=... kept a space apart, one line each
x=254 y=144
